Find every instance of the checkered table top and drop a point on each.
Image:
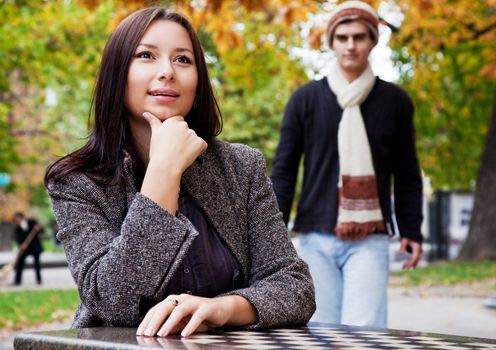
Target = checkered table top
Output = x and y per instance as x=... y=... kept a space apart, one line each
x=315 y=336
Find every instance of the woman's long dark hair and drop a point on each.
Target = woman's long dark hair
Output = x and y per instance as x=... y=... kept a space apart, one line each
x=102 y=156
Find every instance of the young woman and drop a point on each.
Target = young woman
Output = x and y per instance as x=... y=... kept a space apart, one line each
x=164 y=226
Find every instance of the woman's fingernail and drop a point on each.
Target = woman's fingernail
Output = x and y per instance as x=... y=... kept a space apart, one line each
x=162 y=332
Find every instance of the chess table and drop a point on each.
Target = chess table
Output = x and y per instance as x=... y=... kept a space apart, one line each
x=313 y=336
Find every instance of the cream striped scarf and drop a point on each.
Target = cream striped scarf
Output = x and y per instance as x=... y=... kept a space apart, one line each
x=359 y=207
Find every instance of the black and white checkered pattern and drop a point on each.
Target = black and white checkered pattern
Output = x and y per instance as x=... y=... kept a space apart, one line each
x=333 y=338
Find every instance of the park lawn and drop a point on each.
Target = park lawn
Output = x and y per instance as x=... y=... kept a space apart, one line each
x=23 y=309
x=449 y=273
x=50 y=246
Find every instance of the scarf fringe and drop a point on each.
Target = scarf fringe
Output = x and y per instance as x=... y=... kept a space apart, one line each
x=348 y=228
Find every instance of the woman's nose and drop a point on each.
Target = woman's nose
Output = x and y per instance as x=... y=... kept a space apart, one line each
x=166 y=72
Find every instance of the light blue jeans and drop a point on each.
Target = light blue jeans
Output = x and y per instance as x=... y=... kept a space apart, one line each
x=350 y=278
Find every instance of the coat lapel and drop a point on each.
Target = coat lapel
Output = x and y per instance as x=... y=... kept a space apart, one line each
x=129 y=177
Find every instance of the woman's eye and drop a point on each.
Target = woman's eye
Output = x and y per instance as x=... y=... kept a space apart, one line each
x=182 y=59
x=144 y=54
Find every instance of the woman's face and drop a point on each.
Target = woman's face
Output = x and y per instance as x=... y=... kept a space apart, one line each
x=162 y=76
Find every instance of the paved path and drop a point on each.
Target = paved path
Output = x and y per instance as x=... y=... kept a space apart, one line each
x=52 y=278
x=448 y=314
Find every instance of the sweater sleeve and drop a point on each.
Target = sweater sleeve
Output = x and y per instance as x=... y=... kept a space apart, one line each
x=118 y=266
x=288 y=155
x=406 y=172
x=279 y=285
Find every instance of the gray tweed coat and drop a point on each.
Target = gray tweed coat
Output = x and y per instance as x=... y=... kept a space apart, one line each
x=123 y=248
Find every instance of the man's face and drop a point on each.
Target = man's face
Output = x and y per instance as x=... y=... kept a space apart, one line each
x=17 y=219
x=352 y=44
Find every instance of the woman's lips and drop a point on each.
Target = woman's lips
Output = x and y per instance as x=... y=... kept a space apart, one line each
x=164 y=95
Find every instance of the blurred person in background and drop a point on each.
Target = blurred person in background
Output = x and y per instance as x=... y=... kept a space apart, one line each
x=355 y=133
x=27 y=232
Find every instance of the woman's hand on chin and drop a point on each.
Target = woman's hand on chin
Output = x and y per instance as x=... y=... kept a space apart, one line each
x=173 y=144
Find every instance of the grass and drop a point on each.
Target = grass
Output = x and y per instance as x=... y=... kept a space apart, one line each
x=22 y=309
x=449 y=273
x=50 y=246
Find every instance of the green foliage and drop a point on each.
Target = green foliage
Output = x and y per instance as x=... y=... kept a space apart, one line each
x=46 y=47
x=8 y=154
x=449 y=273
x=49 y=243
x=254 y=82
x=41 y=209
x=445 y=51
x=52 y=49
x=23 y=309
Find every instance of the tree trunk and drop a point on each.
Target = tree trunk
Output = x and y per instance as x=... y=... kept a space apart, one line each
x=481 y=240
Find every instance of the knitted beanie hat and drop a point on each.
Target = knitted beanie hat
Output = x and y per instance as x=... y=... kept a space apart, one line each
x=354 y=10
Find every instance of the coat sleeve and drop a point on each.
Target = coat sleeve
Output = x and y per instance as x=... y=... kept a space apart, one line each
x=406 y=173
x=279 y=286
x=118 y=265
x=288 y=155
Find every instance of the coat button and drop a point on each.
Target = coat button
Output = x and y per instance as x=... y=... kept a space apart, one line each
x=186 y=270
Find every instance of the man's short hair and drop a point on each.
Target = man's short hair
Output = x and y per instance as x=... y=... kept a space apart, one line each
x=19 y=214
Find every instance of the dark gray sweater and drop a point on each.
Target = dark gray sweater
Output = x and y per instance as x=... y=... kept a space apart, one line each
x=123 y=248
x=309 y=130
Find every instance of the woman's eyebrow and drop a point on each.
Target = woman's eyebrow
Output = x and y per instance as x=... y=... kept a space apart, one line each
x=182 y=49
x=151 y=46
x=177 y=49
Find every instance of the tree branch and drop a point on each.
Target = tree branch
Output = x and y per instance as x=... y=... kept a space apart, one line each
x=478 y=33
x=29 y=132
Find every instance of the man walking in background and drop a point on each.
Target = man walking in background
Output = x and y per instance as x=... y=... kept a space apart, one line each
x=356 y=133
x=27 y=236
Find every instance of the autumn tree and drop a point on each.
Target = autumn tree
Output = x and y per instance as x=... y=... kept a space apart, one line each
x=446 y=53
x=49 y=54
x=253 y=69
x=480 y=243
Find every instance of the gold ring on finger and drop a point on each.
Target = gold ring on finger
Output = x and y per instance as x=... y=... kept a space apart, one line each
x=174 y=302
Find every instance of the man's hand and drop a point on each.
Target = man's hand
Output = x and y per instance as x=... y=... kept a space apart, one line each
x=416 y=251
